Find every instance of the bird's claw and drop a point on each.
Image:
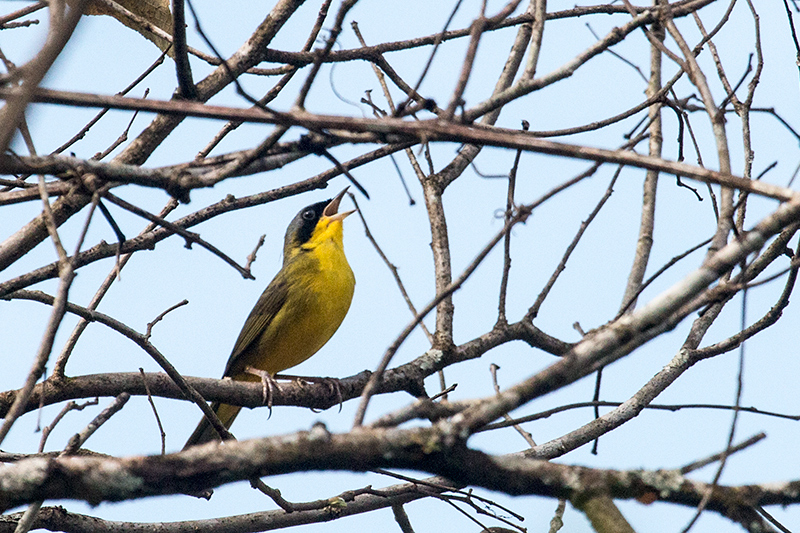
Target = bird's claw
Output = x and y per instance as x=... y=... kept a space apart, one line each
x=334 y=384
x=268 y=386
x=336 y=388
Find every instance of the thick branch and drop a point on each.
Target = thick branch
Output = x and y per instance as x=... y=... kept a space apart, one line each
x=95 y=479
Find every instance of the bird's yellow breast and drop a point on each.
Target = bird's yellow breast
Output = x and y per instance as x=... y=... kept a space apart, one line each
x=320 y=289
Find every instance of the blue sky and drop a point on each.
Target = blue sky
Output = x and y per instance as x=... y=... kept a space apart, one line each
x=103 y=57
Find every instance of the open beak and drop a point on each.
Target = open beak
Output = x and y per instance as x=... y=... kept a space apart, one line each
x=331 y=210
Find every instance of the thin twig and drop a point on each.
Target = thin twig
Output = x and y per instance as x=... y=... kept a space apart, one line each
x=534 y=309
x=493 y=368
x=27 y=10
x=512 y=183
x=695 y=465
x=155 y=413
x=161 y=316
x=251 y=258
x=187 y=235
x=70 y=406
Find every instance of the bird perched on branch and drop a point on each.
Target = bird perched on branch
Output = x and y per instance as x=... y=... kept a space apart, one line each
x=298 y=312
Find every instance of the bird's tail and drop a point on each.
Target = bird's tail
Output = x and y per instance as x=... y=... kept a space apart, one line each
x=205 y=432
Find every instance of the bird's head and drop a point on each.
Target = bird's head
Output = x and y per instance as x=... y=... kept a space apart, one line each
x=314 y=225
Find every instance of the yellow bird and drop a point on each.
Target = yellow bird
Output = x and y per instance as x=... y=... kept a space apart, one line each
x=299 y=311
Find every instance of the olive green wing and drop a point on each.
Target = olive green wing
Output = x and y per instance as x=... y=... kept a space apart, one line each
x=267 y=307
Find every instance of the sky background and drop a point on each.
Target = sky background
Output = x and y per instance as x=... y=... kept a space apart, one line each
x=103 y=57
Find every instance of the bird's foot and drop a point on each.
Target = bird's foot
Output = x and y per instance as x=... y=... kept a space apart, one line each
x=334 y=384
x=336 y=388
x=268 y=386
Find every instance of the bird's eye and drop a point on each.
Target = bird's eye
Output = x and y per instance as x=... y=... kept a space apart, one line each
x=308 y=215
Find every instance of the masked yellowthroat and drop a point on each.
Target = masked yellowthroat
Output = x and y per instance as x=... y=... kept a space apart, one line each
x=299 y=311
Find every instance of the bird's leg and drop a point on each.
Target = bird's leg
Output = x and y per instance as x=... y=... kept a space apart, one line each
x=268 y=385
x=333 y=384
